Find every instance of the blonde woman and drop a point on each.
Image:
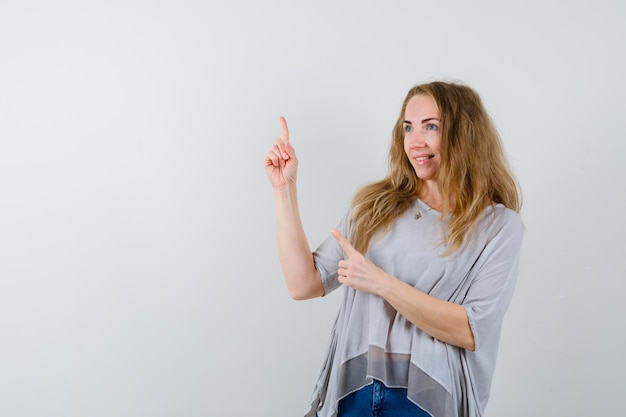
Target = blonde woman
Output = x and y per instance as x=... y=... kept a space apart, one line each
x=428 y=258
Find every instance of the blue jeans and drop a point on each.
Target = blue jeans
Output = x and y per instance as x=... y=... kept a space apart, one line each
x=377 y=400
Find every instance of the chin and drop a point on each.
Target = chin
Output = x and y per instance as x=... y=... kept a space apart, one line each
x=424 y=176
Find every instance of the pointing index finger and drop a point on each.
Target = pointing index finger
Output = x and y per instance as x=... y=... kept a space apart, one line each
x=343 y=242
x=284 y=129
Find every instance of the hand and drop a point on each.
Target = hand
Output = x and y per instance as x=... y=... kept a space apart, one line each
x=358 y=272
x=281 y=164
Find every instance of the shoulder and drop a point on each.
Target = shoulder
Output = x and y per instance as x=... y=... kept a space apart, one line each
x=506 y=215
x=499 y=219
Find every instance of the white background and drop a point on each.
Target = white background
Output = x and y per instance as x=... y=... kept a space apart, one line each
x=138 y=269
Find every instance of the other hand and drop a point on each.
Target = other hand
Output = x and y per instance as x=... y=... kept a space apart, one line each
x=358 y=272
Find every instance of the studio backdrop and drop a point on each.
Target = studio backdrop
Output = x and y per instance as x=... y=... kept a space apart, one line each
x=138 y=265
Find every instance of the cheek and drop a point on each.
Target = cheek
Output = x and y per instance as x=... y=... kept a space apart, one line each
x=405 y=146
x=435 y=145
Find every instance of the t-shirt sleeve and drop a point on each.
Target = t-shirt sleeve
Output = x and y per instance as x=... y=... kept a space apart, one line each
x=327 y=256
x=495 y=276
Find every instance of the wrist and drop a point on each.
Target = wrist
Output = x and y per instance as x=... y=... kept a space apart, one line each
x=387 y=285
x=285 y=189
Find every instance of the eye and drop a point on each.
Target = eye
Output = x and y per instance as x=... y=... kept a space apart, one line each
x=408 y=128
x=431 y=127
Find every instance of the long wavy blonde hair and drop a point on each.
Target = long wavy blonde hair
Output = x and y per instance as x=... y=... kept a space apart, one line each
x=473 y=173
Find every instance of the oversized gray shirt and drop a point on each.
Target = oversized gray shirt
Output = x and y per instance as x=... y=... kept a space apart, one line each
x=372 y=340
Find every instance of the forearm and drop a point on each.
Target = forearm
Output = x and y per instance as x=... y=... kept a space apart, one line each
x=296 y=260
x=441 y=319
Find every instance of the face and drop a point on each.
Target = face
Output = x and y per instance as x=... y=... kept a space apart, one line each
x=422 y=136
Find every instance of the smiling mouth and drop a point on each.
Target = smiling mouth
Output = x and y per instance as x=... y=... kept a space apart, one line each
x=424 y=158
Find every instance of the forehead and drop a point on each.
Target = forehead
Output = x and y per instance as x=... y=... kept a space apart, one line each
x=420 y=107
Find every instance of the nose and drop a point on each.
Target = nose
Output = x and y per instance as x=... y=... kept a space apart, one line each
x=415 y=138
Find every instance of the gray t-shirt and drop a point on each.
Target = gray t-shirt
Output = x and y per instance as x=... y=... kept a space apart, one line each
x=371 y=340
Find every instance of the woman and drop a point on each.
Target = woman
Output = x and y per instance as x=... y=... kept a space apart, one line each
x=428 y=257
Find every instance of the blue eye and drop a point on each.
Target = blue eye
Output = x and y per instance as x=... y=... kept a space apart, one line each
x=408 y=128
x=431 y=127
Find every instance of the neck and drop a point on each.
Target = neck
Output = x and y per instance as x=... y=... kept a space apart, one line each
x=430 y=195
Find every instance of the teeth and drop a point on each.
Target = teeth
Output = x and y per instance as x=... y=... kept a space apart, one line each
x=422 y=158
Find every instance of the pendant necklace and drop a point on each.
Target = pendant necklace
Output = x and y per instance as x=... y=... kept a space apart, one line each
x=419 y=213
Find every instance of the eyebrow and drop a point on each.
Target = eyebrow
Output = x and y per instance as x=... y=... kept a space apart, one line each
x=423 y=121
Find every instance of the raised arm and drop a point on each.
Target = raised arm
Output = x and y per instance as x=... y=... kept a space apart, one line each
x=296 y=260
